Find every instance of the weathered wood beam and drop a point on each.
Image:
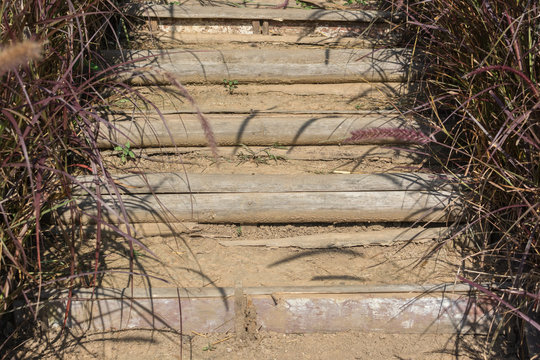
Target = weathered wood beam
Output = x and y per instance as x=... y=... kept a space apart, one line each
x=210 y=12
x=182 y=183
x=249 y=129
x=298 y=207
x=147 y=67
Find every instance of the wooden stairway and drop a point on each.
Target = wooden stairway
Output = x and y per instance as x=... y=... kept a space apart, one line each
x=290 y=229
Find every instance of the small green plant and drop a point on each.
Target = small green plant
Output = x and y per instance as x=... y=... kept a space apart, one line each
x=230 y=85
x=138 y=254
x=304 y=5
x=239 y=230
x=355 y=2
x=262 y=156
x=125 y=152
x=209 y=347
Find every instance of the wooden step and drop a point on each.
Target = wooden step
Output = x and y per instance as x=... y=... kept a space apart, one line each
x=383 y=309
x=148 y=67
x=252 y=129
x=230 y=13
x=179 y=22
x=272 y=4
x=335 y=203
x=342 y=207
x=182 y=183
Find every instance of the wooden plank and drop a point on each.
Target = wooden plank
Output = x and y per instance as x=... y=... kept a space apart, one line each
x=264 y=65
x=261 y=4
x=249 y=129
x=283 y=312
x=300 y=207
x=384 y=237
x=209 y=12
x=182 y=183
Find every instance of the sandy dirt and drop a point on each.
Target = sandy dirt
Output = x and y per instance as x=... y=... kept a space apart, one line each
x=149 y=345
x=199 y=260
x=269 y=160
x=246 y=97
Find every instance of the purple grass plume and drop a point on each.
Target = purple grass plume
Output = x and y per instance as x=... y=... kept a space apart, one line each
x=399 y=135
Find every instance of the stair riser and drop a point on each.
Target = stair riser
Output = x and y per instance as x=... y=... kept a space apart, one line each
x=285 y=313
x=182 y=183
x=251 y=208
x=230 y=13
x=250 y=129
x=265 y=66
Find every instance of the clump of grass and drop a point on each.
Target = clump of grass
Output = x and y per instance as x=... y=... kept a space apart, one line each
x=49 y=119
x=54 y=95
x=483 y=103
x=53 y=92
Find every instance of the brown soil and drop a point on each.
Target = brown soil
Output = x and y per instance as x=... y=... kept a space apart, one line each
x=247 y=97
x=199 y=260
x=269 y=160
x=148 y=344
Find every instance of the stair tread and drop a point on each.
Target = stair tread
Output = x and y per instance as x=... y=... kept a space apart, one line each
x=185 y=183
x=264 y=65
x=258 y=129
x=213 y=12
x=198 y=260
x=268 y=98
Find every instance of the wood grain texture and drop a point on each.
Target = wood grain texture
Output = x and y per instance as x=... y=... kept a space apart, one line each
x=182 y=183
x=211 y=12
x=298 y=207
x=249 y=129
x=264 y=65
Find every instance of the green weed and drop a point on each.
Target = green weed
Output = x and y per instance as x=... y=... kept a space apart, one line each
x=124 y=152
x=230 y=85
